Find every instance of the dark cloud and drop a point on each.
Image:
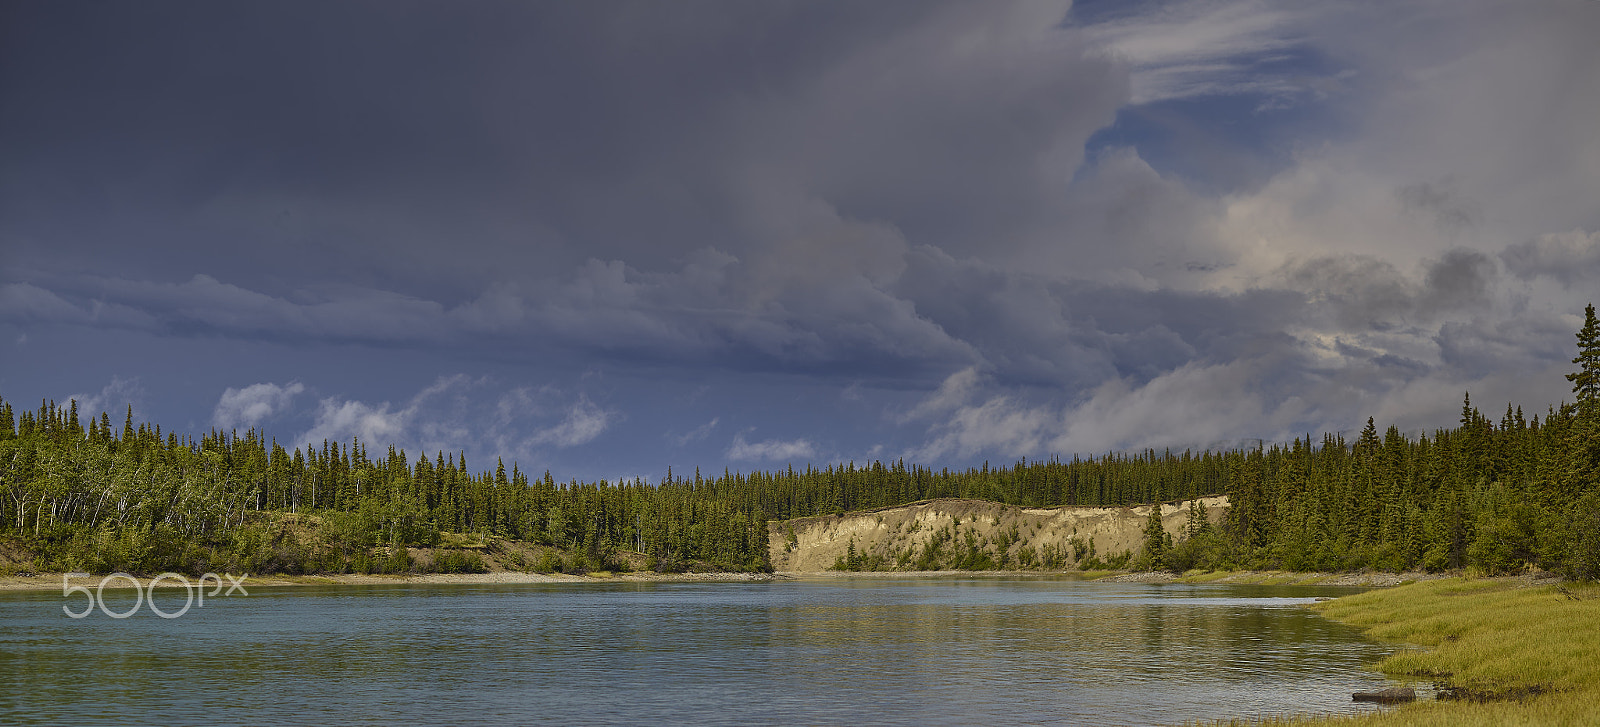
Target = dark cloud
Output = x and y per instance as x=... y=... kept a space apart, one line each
x=1457 y=283
x=1364 y=293
x=1480 y=347
x=1361 y=292
x=915 y=311
x=1442 y=201
x=827 y=229
x=276 y=146
x=1568 y=257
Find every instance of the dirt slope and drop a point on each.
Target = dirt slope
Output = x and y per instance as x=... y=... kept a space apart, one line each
x=814 y=544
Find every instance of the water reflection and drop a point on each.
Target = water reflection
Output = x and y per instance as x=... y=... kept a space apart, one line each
x=898 y=651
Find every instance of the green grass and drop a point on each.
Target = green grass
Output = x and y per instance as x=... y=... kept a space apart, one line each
x=1531 y=655
x=1263 y=578
x=1197 y=576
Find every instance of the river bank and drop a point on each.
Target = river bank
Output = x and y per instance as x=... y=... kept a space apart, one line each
x=1500 y=651
x=53 y=581
x=1369 y=579
x=1373 y=579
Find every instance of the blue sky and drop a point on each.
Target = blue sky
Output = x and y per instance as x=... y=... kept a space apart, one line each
x=608 y=238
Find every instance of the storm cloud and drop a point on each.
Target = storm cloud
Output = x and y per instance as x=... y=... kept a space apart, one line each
x=611 y=237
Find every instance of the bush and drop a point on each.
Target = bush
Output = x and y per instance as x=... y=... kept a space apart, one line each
x=670 y=563
x=1504 y=544
x=1583 y=539
x=1203 y=551
x=458 y=561
x=550 y=562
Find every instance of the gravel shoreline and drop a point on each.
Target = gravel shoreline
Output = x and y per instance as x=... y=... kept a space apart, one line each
x=53 y=581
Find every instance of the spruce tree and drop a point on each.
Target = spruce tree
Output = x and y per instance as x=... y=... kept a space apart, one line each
x=1583 y=469
x=1586 y=380
x=1155 y=537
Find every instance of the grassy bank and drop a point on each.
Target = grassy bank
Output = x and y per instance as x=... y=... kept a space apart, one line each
x=1370 y=579
x=1513 y=654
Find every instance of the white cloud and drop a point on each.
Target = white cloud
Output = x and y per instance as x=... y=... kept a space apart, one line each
x=463 y=413
x=339 y=421
x=778 y=450
x=584 y=421
x=697 y=434
x=112 y=399
x=998 y=424
x=248 y=406
x=951 y=394
x=1202 y=48
x=1193 y=406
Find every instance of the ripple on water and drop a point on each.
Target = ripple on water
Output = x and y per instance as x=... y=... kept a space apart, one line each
x=902 y=651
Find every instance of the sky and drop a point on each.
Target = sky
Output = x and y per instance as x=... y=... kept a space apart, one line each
x=607 y=238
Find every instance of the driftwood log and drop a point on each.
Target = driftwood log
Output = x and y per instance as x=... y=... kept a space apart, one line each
x=1392 y=695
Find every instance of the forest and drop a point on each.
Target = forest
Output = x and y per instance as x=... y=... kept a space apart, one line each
x=1498 y=495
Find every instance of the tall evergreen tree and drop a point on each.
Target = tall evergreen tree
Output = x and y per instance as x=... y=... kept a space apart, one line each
x=1156 y=540
x=1583 y=470
x=1586 y=380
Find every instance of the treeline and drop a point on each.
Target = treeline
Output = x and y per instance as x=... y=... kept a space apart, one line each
x=103 y=497
x=1496 y=495
x=158 y=500
x=1492 y=495
x=97 y=498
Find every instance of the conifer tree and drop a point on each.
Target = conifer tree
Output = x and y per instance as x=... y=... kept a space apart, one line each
x=1156 y=539
x=1583 y=469
x=1586 y=380
x=1489 y=494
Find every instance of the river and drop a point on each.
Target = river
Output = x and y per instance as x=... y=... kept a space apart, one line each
x=933 y=650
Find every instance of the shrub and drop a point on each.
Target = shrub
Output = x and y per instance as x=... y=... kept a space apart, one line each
x=1583 y=539
x=458 y=561
x=1206 y=550
x=550 y=562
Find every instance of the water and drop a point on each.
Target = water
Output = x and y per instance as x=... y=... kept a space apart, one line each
x=827 y=651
